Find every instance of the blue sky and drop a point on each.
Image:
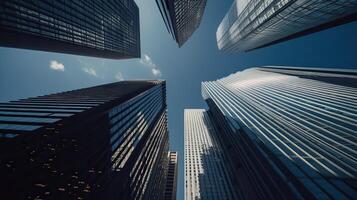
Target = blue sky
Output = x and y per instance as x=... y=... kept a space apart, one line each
x=25 y=73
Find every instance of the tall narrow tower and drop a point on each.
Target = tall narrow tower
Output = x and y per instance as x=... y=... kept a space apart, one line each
x=171 y=180
x=207 y=174
x=181 y=17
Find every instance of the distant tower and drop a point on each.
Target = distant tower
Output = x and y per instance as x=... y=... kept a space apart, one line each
x=252 y=24
x=171 y=179
x=207 y=174
x=290 y=133
x=105 y=142
x=106 y=29
x=181 y=17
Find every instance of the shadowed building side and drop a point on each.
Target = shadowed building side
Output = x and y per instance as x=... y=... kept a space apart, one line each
x=181 y=17
x=105 y=29
x=103 y=142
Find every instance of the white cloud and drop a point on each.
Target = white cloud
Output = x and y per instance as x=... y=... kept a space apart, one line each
x=147 y=61
x=156 y=72
x=55 y=65
x=119 y=76
x=90 y=71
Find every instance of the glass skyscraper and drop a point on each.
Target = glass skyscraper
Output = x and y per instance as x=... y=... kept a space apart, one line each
x=181 y=17
x=252 y=24
x=207 y=174
x=103 y=142
x=289 y=132
x=100 y=28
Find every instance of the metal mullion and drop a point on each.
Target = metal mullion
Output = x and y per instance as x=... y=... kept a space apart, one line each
x=292 y=136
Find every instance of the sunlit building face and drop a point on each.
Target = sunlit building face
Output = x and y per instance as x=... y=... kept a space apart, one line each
x=252 y=24
x=289 y=131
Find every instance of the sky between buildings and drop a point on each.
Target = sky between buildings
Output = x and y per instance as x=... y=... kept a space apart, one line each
x=26 y=73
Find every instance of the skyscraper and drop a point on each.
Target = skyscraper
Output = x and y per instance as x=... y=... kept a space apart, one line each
x=171 y=180
x=106 y=29
x=289 y=132
x=252 y=24
x=181 y=17
x=207 y=174
x=103 y=142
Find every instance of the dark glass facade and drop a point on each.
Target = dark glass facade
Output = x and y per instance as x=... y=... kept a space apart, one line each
x=100 y=28
x=103 y=142
x=290 y=133
x=181 y=17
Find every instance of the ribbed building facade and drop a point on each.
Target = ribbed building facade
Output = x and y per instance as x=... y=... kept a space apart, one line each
x=252 y=24
x=171 y=178
x=181 y=17
x=207 y=174
x=103 y=142
x=100 y=28
x=289 y=132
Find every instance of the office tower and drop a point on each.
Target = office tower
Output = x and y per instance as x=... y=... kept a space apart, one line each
x=252 y=24
x=103 y=142
x=181 y=17
x=289 y=132
x=171 y=179
x=207 y=174
x=99 y=28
